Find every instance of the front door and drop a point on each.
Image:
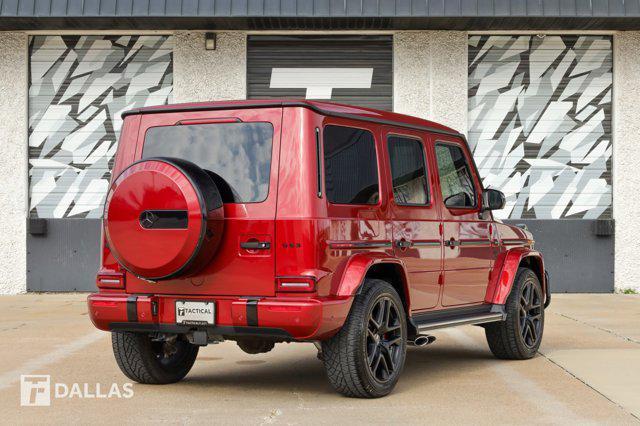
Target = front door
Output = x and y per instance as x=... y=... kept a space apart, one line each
x=415 y=220
x=467 y=248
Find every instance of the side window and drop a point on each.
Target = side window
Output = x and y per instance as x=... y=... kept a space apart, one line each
x=351 y=167
x=408 y=171
x=456 y=183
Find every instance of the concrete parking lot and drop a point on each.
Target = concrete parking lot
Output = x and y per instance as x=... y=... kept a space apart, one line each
x=588 y=372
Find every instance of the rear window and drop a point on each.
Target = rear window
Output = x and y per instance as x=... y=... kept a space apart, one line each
x=351 y=167
x=236 y=155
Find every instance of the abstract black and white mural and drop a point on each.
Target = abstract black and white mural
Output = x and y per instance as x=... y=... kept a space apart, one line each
x=78 y=87
x=540 y=122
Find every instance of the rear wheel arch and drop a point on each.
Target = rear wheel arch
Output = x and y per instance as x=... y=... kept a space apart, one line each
x=394 y=274
x=536 y=264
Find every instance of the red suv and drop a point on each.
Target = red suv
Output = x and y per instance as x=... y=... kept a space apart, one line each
x=290 y=221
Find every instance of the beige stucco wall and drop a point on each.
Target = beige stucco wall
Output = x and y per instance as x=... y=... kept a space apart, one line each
x=13 y=173
x=430 y=76
x=626 y=158
x=209 y=75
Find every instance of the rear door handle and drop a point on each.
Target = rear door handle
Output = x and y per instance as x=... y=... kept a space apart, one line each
x=451 y=243
x=255 y=245
x=403 y=244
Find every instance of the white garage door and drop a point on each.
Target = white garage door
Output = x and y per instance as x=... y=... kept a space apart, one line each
x=78 y=87
x=540 y=123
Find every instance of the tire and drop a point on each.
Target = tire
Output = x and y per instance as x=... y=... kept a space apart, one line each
x=359 y=364
x=519 y=336
x=146 y=361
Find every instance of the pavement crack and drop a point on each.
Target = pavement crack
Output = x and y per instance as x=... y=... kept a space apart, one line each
x=606 y=330
x=13 y=328
x=587 y=384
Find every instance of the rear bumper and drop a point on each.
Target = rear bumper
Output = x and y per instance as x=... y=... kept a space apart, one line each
x=285 y=318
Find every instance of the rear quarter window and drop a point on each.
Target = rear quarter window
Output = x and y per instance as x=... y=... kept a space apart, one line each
x=236 y=155
x=351 y=166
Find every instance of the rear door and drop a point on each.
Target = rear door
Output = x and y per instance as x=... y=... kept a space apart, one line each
x=415 y=220
x=240 y=150
x=467 y=248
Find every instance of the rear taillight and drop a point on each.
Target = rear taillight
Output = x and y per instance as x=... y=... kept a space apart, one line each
x=296 y=284
x=110 y=280
x=103 y=304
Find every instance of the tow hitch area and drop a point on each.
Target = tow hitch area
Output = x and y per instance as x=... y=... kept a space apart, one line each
x=198 y=338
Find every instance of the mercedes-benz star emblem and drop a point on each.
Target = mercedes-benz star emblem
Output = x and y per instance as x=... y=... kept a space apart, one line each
x=147 y=219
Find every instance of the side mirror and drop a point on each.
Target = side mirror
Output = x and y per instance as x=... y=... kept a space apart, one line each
x=492 y=199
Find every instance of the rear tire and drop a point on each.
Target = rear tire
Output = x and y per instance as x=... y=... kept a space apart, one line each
x=150 y=362
x=519 y=336
x=367 y=355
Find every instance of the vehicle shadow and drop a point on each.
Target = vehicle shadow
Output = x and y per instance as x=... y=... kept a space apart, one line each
x=304 y=373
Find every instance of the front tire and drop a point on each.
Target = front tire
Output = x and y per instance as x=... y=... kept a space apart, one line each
x=367 y=355
x=153 y=362
x=520 y=335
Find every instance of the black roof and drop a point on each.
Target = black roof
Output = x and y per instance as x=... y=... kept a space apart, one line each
x=319 y=14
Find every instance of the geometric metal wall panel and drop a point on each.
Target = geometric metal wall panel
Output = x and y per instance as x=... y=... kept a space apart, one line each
x=78 y=87
x=540 y=122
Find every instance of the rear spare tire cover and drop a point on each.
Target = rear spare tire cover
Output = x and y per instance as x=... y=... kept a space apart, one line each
x=163 y=218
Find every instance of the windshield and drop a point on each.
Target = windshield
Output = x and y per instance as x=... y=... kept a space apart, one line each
x=236 y=155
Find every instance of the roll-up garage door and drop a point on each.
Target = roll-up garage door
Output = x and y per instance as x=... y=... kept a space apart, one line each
x=540 y=122
x=354 y=70
x=78 y=87
x=540 y=129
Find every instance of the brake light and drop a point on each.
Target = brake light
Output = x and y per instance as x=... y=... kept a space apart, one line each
x=103 y=304
x=110 y=280
x=296 y=284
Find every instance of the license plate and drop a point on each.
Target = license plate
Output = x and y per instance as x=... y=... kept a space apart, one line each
x=195 y=313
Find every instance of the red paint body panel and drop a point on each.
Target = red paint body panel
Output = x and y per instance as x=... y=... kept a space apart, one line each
x=466 y=267
x=506 y=268
x=333 y=246
x=251 y=272
x=303 y=318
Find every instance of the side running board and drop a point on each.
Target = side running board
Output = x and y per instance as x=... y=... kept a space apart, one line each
x=458 y=316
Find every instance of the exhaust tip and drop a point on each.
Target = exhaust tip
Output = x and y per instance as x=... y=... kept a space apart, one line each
x=423 y=340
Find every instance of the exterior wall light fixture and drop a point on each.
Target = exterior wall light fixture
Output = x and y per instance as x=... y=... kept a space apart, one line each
x=210 y=41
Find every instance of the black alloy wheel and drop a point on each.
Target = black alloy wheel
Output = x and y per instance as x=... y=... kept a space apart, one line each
x=366 y=357
x=520 y=334
x=384 y=339
x=530 y=314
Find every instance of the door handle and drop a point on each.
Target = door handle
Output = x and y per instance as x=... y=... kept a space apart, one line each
x=452 y=243
x=255 y=245
x=403 y=244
